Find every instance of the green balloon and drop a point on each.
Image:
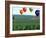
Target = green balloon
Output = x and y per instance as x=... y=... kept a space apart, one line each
x=30 y=9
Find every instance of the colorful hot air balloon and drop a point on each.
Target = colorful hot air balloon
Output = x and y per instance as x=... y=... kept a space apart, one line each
x=37 y=12
x=21 y=12
x=24 y=9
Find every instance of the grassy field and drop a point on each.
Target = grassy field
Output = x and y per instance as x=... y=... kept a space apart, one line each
x=26 y=22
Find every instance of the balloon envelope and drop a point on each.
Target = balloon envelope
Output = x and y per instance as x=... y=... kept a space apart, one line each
x=21 y=12
x=37 y=12
x=24 y=9
x=30 y=9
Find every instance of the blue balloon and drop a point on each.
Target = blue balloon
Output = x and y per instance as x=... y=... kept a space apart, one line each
x=37 y=12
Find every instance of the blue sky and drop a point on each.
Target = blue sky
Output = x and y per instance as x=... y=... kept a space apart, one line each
x=16 y=10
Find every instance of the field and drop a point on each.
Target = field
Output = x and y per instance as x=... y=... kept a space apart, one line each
x=26 y=22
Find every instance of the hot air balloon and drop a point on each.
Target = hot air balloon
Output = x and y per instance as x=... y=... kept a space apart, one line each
x=24 y=9
x=37 y=12
x=30 y=9
x=21 y=12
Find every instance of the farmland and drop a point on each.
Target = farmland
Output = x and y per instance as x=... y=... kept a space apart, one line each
x=26 y=22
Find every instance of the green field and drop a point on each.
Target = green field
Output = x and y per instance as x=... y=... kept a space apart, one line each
x=26 y=22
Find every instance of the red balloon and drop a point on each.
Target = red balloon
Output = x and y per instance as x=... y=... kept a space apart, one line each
x=24 y=9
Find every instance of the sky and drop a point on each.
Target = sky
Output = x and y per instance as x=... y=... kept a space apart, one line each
x=16 y=10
